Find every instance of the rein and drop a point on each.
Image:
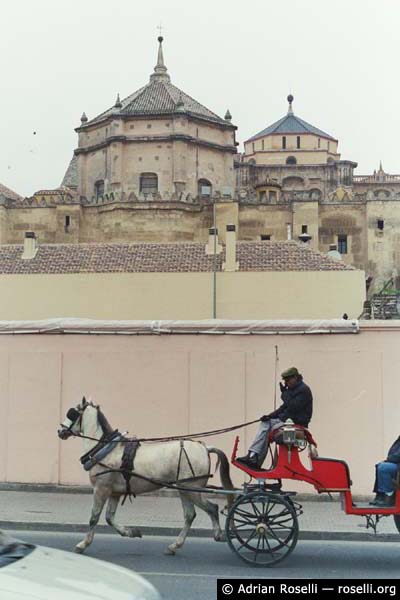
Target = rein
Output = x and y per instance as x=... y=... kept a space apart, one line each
x=175 y=437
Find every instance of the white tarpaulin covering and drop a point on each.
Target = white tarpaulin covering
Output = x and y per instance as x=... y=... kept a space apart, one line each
x=206 y=326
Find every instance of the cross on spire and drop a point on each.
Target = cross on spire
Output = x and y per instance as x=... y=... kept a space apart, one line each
x=159 y=27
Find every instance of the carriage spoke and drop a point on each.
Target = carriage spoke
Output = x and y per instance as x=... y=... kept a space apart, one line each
x=245 y=543
x=256 y=510
x=248 y=525
x=271 y=531
x=244 y=521
x=280 y=523
x=260 y=537
x=245 y=513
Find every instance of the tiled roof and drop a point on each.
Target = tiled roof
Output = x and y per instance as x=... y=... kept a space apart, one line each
x=159 y=98
x=290 y=123
x=152 y=258
x=71 y=175
x=9 y=193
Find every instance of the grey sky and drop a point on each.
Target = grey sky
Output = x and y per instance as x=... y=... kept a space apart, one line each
x=59 y=58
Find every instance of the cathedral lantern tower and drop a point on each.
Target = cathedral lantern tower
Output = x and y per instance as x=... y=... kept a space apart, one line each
x=156 y=144
x=291 y=141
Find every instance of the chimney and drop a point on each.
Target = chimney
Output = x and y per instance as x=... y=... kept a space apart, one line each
x=230 y=249
x=30 y=246
x=213 y=246
x=333 y=252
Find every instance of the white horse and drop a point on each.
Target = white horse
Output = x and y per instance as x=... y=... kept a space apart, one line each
x=163 y=461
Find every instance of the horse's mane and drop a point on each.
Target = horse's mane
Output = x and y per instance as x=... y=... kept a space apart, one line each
x=105 y=425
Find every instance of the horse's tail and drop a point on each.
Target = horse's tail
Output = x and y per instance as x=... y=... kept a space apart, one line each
x=223 y=465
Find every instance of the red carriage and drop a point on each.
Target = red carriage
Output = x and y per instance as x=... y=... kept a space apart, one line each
x=262 y=525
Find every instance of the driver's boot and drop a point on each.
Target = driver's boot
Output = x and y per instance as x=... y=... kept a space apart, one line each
x=379 y=496
x=250 y=461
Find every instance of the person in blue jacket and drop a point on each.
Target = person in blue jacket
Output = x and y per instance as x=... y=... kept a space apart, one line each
x=386 y=473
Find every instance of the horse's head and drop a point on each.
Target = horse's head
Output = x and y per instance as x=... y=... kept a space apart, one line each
x=73 y=422
x=86 y=416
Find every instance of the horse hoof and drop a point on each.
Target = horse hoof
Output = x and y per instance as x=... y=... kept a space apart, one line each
x=79 y=549
x=133 y=532
x=220 y=537
x=169 y=552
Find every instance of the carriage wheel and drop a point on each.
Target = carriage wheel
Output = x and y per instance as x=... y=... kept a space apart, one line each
x=262 y=528
x=397 y=521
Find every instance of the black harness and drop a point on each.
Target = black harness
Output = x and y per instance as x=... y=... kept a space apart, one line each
x=183 y=452
x=106 y=444
x=130 y=448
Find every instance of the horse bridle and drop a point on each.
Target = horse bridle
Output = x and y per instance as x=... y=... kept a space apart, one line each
x=73 y=415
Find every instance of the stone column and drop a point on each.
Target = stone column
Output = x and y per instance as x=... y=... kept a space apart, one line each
x=226 y=213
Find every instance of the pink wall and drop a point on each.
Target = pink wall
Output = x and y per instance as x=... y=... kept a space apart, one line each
x=173 y=384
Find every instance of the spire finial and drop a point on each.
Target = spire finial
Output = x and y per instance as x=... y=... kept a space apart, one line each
x=180 y=105
x=228 y=116
x=84 y=118
x=118 y=103
x=160 y=70
x=290 y=100
x=380 y=166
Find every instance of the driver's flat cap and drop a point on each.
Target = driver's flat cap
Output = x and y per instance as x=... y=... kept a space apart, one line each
x=292 y=372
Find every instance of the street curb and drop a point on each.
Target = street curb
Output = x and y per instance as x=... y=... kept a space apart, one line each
x=343 y=536
x=48 y=488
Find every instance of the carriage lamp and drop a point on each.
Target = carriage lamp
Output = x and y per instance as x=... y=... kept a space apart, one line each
x=289 y=435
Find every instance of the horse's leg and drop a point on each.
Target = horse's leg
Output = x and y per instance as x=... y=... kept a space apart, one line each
x=189 y=514
x=99 y=499
x=212 y=510
x=112 y=506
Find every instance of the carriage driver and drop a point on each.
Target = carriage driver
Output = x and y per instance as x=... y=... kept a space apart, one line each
x=297 y=406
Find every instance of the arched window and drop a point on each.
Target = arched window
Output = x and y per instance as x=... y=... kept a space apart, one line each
x=291 y=160
x=99 y=188
x=149 y=183
x=204 y=188
x=252 y=161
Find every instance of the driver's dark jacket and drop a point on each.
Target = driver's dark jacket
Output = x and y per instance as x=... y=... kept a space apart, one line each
x=297 y=405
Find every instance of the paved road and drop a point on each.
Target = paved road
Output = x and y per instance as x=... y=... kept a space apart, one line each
x=193 y=573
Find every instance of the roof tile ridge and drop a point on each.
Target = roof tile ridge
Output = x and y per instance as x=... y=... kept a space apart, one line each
x=132 y=97
x=327 y=259
x=197 y=102
x=307 y=126
x=167 y=85
x=109 y=111
x=271 y=128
